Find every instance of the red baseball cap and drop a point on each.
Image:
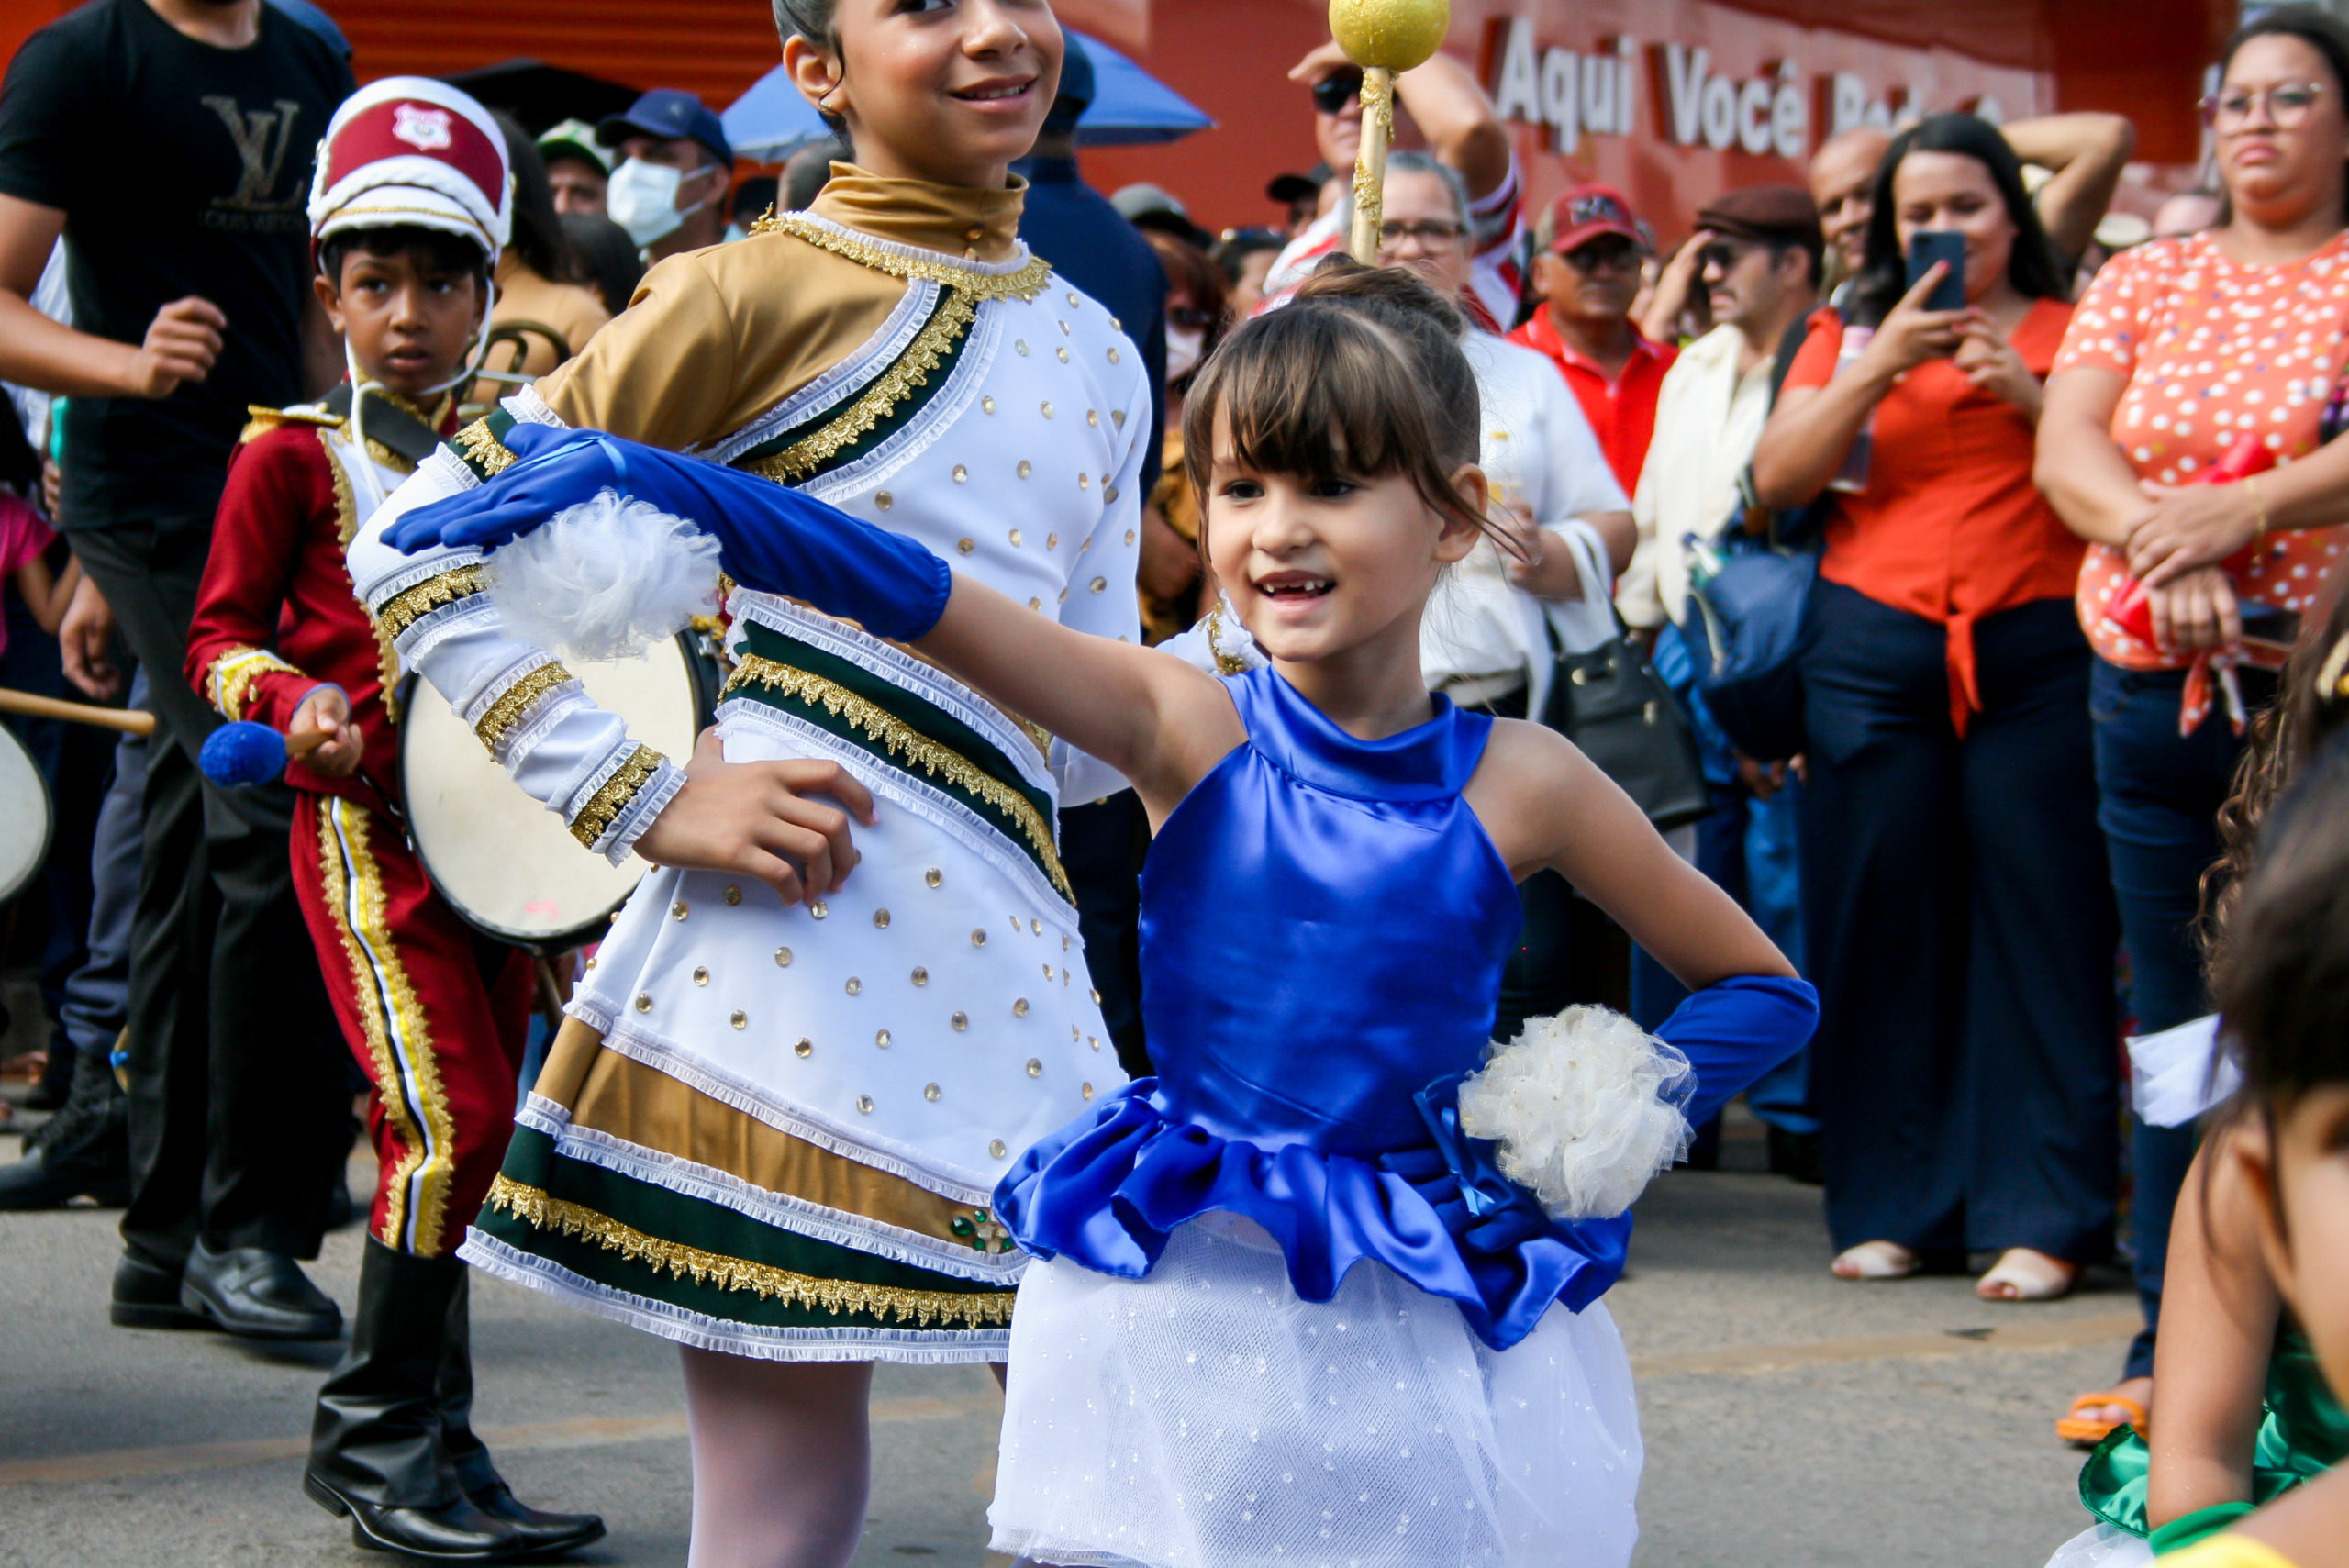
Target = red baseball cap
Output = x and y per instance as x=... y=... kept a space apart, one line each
x=1585 y=213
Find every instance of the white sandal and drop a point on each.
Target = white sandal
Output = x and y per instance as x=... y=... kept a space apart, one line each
x=1875 y=1260
x=2027 y=1275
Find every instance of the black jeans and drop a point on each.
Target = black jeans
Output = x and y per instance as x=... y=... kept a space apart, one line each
x=1959 y=920
x=237 y=1073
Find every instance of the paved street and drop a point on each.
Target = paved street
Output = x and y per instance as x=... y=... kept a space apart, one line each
x=1792 y=1421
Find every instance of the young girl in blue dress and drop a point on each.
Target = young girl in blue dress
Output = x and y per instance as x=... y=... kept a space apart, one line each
x=1200 y=1373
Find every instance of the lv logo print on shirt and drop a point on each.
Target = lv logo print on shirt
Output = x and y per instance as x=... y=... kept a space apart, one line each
x=262 y=138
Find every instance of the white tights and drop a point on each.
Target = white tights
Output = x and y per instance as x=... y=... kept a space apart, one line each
x=782 y=1460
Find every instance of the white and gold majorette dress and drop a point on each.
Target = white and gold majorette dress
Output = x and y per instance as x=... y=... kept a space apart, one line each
x=773 y=1130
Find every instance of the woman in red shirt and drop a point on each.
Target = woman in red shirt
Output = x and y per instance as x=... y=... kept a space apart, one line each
x=2184 y=351
x=1956 y=901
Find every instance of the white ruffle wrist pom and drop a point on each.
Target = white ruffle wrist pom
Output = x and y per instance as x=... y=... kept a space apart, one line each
x=1586 y=1107
x=605 y=579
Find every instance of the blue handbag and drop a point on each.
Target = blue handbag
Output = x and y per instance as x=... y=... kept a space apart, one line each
x=1744 y=630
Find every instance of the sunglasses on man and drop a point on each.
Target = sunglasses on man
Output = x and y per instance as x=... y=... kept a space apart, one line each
x=1335 y=90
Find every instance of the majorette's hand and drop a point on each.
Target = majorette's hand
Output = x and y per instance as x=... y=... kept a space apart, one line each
x=558 y=469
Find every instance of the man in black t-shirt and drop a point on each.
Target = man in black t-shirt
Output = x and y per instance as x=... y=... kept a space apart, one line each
x=170 y=142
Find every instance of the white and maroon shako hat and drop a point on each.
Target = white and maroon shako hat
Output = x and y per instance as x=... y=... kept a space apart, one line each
x=408 y=150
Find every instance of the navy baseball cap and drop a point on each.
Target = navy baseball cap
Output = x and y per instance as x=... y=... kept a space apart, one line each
x=670 y=112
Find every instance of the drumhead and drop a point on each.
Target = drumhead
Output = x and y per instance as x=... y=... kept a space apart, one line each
x=25 y=818
x=504 y=862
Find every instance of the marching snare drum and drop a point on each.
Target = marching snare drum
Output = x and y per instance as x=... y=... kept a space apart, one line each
x=25 y=818
x=504 y=862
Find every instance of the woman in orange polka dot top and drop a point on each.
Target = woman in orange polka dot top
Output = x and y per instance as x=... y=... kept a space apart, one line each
x=2221 y=347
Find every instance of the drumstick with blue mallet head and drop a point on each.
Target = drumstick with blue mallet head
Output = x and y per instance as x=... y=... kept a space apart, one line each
x=233 y=755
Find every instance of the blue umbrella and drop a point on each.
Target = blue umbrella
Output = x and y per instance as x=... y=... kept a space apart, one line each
x=772 y=121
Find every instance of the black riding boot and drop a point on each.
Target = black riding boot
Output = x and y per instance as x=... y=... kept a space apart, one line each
x=543 y=1534
x=376 y=1451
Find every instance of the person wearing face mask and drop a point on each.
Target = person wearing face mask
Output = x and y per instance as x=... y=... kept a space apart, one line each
x=669 y=191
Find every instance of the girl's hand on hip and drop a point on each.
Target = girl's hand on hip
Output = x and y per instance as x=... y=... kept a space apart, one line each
x=2195 y=611
x=762 y=820
x=2189 y=527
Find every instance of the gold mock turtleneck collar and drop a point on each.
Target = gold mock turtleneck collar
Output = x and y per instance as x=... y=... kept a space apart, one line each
x=956 y=220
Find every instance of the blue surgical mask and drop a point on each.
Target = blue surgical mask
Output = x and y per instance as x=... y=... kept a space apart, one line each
x=642 y=198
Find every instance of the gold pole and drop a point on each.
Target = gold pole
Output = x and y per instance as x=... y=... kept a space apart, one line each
x=1370 y=163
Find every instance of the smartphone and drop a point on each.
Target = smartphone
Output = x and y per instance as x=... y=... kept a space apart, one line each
x=1928 y=246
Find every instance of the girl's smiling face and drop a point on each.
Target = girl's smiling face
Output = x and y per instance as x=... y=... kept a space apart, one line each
x=948 y=91
x=1317 y=566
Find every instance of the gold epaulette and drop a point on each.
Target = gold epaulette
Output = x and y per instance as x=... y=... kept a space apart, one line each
x=260 y=420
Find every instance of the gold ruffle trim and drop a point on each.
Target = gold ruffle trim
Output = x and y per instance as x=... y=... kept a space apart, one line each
x=415 y=603
x=990 y=1309
x=486 y=449
x=508 y=710
x=604 y=808
x=234 y=673
x=1026 y=284
x=912 y=369
x=902 y=739
x=407 y=1077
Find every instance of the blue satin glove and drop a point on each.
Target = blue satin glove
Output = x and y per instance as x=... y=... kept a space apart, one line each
x=1735 y=1030
x=770 y=538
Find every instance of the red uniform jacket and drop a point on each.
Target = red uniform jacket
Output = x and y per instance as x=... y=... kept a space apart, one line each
x=277 y=616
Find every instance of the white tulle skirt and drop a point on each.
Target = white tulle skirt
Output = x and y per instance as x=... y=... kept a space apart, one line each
x=1206 y=1417
x=2101 y=1546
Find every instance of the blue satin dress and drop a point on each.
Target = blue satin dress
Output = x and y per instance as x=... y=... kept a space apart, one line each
x=1324 y=926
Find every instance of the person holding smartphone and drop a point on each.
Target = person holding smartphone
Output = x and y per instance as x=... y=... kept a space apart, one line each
x=1956 y=909
x=2181 y=348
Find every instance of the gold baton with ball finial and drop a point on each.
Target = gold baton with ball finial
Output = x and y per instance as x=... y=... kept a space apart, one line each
x=1383 y=36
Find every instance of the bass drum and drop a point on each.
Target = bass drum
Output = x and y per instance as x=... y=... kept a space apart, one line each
x=25 y=818
x=504 y=862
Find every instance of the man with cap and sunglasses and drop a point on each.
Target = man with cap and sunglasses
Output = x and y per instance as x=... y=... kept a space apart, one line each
x=1758 y=254
x=669 y=191
x=1586 y=274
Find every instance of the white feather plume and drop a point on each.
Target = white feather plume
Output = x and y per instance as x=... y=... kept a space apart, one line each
x=1586 y=1107
x=605 y=579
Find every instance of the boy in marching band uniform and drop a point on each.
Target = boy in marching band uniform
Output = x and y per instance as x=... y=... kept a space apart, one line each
x=411 y=207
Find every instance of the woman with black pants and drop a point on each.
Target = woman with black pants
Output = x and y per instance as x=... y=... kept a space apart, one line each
x=1954 y=891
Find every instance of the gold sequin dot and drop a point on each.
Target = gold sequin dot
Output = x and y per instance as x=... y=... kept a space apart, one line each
x=1072 y=1032
x=1116 y=324
x=1063 y=944
x=804 y=1048
x=1020 y=1008
x=1118 y=418
x=864 y=1104
x=960 y=1021
x=1035 y=604
x=733 y=895
x=934 y=876
x=1021 y=345
x=884 y=500
x=1026 y=468
x=1099 y=583
x=1038 y=925
x=678 y=911
x=1085 y=481
x=1035 y=1068
x=962 y=475
x=921 y=977
x=994 y=1147
x=591 y=963
x=1062 y=353
x=1052 y=541
x=819 y=909
x=644 y=1001
x=1015 y=925
x=931 y=1091
x=1109 y=493
x=855 y=986
x=881 y=1038
x=740 y=1019
x=1048 y=409
x=1048 y=972
x=978 y=938
x=880 y=919
x=1088 y=1090
x=1095 y=994
x=701 y=976
x=1064 y=329
x=966 y=545
x=783 y=958
x=1015 y=537
x=1130 y=535
x=1093 y=1041
x=1074 y=299
x=1093 y=417
x=1113 y=355
x=987 y=404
